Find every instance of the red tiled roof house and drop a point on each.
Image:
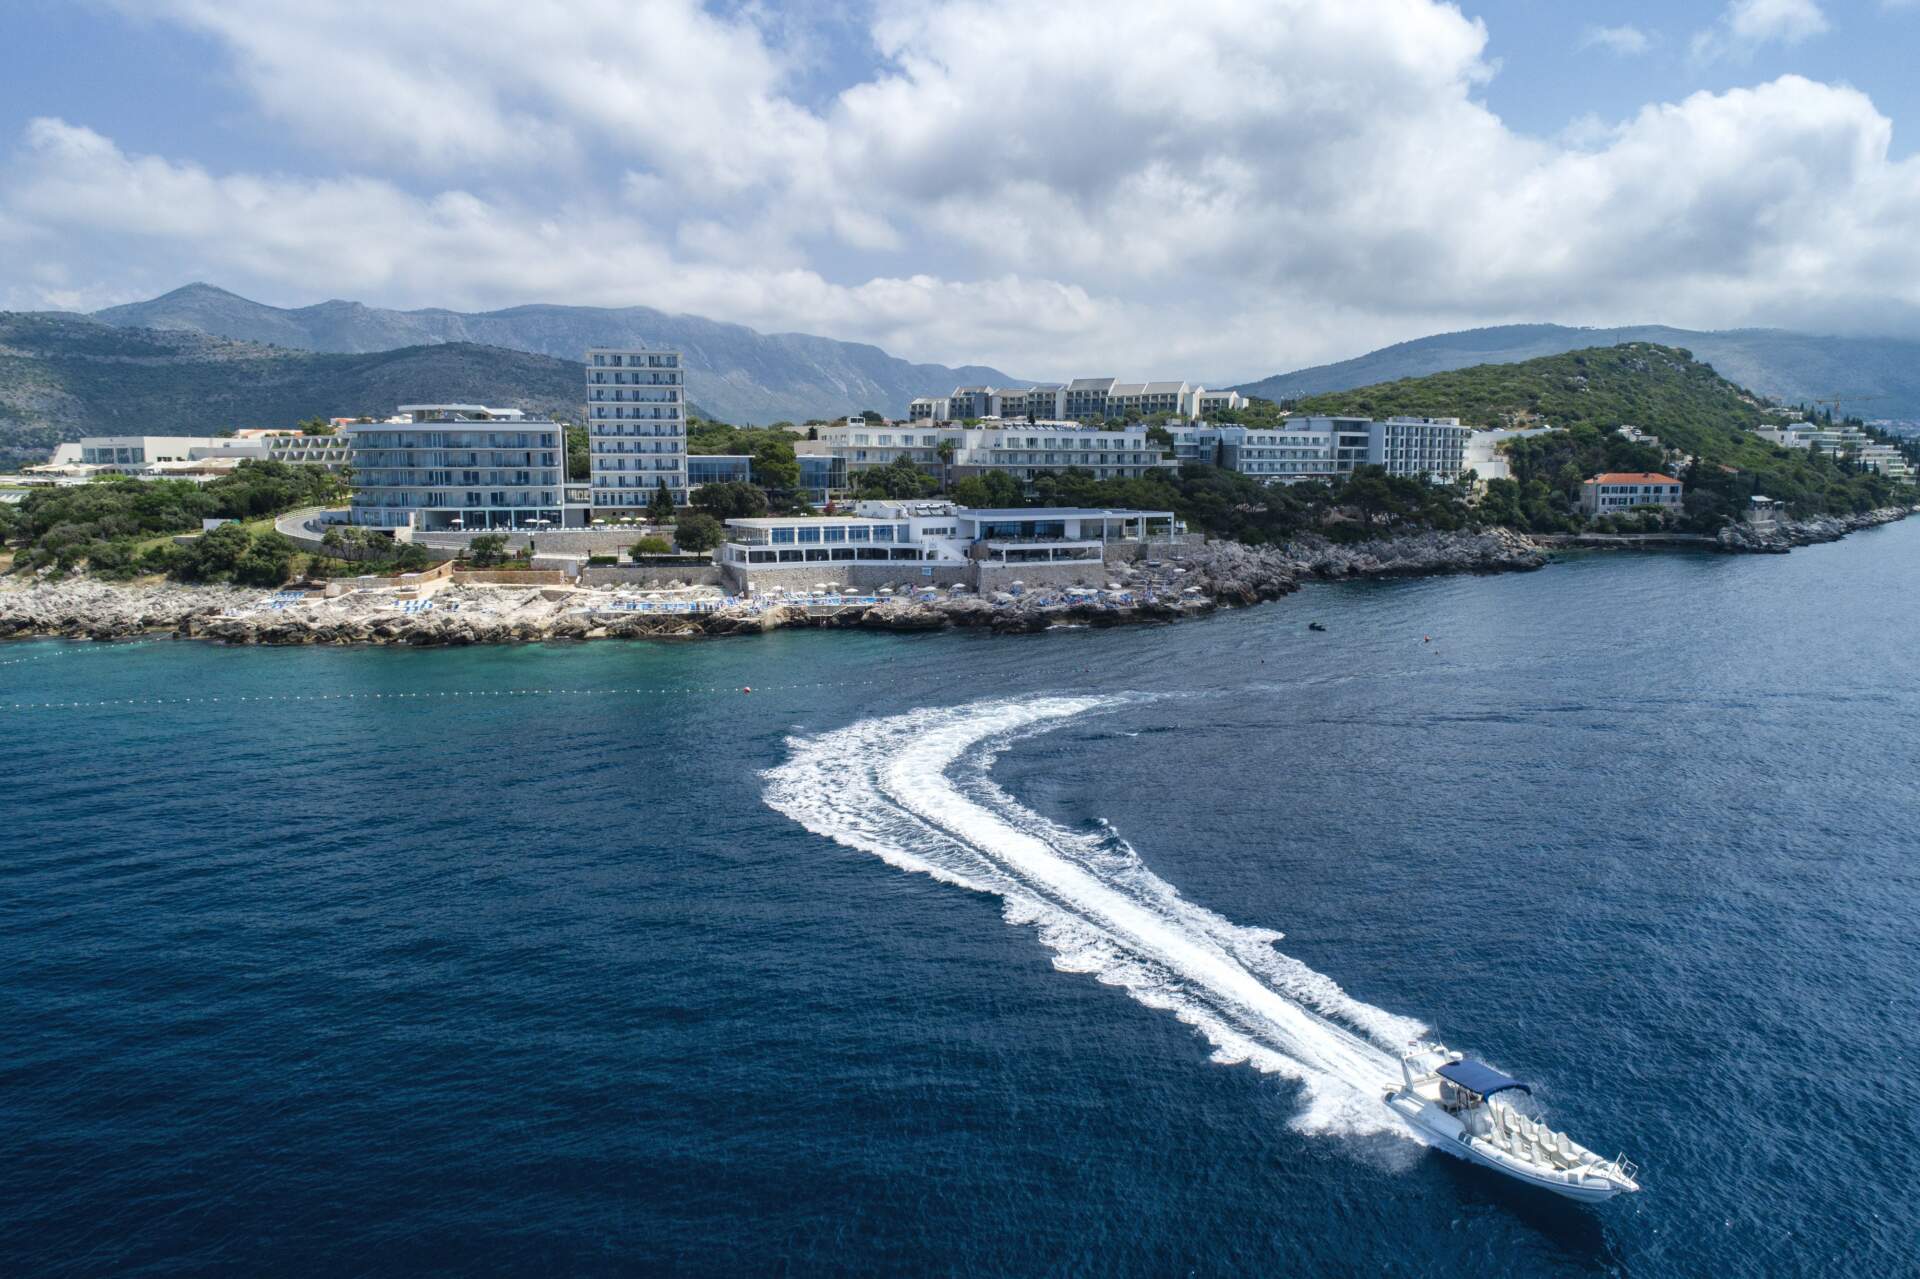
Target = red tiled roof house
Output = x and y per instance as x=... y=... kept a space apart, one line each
x=1618 y=492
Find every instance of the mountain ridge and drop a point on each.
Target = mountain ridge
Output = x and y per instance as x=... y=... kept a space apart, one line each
x=63 y=376
x=737 y=373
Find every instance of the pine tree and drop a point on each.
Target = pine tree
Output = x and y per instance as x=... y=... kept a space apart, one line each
x=660 y=509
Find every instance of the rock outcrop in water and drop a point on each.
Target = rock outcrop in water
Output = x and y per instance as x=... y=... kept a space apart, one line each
x=83 y=608
x=1493 y=551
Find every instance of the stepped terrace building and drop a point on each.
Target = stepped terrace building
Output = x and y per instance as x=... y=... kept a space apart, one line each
x=155 y=456
x=447 y=467
x=1087 y=399
x=636 y=427
x=1021 y=450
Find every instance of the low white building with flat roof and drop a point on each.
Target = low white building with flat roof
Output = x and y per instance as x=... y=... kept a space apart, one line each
x=907 y=539
x=1484 y=456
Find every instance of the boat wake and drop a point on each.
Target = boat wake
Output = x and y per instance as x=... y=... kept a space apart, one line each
x=916 y=791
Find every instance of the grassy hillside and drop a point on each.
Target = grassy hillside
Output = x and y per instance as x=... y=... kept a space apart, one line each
x=1662 y=390
x=63 y=376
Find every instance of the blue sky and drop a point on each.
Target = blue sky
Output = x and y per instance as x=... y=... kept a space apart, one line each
x=1221 y=189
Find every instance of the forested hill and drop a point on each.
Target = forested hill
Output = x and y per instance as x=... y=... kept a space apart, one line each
x=65 y=376
x=1663 y=391
x=1792 y=367
x=1660 y=389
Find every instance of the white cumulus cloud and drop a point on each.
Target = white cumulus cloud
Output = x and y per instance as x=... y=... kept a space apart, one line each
x=1625 y=39
x=1206 y=191
x=1746 y=25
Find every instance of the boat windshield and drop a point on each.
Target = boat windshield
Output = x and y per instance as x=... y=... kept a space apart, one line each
x=1523 y=1104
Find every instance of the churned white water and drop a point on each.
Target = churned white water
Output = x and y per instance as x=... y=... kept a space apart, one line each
x=916 y=791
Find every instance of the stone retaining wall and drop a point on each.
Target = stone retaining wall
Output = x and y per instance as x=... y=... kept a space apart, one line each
x=425 y=578
x=525 y=577
x=863 y=578
x=653 y=575
x=998 y=577
x=571 y=541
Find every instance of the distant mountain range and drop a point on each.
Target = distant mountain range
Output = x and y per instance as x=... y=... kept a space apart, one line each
x=733 y=372
x=1793 y=367
x=65 y=376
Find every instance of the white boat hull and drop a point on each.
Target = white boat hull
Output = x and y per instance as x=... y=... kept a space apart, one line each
x=1443 y=1132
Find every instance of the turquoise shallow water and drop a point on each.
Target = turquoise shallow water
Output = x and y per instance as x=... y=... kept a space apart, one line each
x=933 y=953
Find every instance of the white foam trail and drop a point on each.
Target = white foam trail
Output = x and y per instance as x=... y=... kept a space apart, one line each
x=914 y=790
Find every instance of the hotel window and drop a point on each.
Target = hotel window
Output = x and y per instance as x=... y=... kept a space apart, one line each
x=782 y=535
x=857 y=533
x=810 y=535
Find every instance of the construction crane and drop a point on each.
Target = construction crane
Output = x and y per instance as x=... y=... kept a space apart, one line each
x=1834 y=402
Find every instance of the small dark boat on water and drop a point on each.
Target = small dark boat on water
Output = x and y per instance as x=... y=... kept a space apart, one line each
x=1316 y=626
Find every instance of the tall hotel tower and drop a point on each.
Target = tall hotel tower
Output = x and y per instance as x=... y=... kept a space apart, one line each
x=636 y=427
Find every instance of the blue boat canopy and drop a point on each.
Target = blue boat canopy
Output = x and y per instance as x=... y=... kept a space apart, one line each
x=1477 y=1076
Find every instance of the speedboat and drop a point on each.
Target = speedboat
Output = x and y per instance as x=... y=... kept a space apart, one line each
x=1472 y=1111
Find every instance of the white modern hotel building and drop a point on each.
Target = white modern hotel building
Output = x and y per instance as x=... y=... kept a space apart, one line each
x=442 y=467
x=636 y=426
x=937 y=532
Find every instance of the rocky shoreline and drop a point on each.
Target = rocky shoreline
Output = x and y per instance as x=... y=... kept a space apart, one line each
x=1197 y=581
x=1744 y=538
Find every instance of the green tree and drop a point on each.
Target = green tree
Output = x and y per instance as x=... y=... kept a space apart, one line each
x=897 y=479
x=775 y=466
x=487 y=549
x=731 y=500
x=651 y=545
x=660 y=508
x=946 y=451
x=268 y=561
x=215 y=554
x=1160 y=435
x=579 y=455
x=870 y=417
x=992 y=491
x=697 y=531
x=316 y=425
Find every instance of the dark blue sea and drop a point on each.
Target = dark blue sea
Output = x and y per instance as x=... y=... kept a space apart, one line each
x=955 y=954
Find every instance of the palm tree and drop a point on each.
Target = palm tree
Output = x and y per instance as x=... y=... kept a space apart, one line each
x=945 y=450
